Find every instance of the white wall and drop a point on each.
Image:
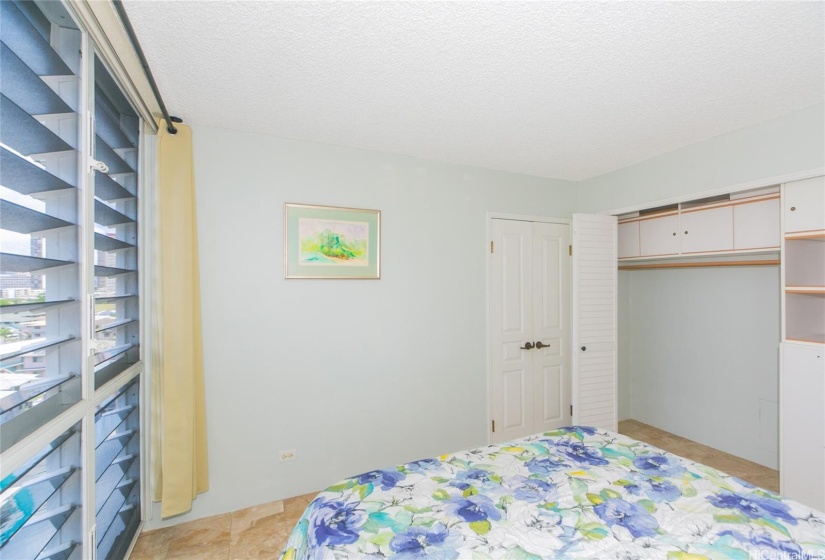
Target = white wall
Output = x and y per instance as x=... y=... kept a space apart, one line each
x=698 y=355
x=754 y=155
x=351 y=374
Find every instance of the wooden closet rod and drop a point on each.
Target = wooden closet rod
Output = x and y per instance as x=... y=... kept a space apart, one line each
x=698 y=265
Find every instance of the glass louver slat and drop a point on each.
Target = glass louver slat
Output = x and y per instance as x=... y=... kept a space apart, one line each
x=106 y=243
x=109 y=271
x=115 y=541
x=108 y=216
x=24 y=469
x=37 y=499
x=35 y=537
x=111 y=353
x=106 y=428
x=24 y=133
x=26 y=177
x=25 y=220
x=28 y=498
x=115 y=501
x=117 y=471
x=10 y=262
x=113 y=299
x=108 y=370
x=107 y=127
x=37 y=18
x=25 y=88
x=108 y=189
x=29 y=45
x=32 y=348
x=8 y=311
x=61 y=551
x=109 y=449
x=115 y=324
x=31 y=391
x=104 y=153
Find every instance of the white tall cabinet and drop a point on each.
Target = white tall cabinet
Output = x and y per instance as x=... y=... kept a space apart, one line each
x=802 y=372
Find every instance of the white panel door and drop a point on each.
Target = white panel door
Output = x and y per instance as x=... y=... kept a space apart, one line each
x=802 y=391
x=530 y=328
x=511 y=316
x=594 y=290
x=551 y=326
x=756 y=224
x=707 y=230
x=659 y=236
x=805 y=205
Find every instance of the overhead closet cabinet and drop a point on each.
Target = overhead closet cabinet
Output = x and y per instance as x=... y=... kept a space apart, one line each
x=802 y=373
x=735 y=223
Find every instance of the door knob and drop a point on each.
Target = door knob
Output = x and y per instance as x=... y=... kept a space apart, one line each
x=540 y=344
x=528 y=346
x=584 y=348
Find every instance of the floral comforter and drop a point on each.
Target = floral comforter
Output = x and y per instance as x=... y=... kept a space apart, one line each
x=571 y=493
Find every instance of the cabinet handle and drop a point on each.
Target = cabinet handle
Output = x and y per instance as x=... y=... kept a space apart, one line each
x=685 y=232
x=674 y=233
x=793 y=208
x=584 y=348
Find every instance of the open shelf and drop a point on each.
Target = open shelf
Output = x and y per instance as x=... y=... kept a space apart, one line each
x=812 y=234
x=805 y=316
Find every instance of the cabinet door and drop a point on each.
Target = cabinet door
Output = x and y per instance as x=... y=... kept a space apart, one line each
x=707 y=230
x=756 y=224
x=658 y=236
x=805 y=205
x=803 y=424
x=629 y=240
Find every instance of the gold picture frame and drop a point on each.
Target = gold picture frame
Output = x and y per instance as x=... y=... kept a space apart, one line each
x=331 y=242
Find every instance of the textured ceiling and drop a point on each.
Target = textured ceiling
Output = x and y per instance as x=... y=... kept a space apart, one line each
x=567 y=90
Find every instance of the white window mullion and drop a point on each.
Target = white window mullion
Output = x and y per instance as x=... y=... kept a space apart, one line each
x=86 y=232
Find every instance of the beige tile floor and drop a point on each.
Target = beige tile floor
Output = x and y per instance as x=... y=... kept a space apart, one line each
x=256 y=532
x=262 y=531
x=746 y=470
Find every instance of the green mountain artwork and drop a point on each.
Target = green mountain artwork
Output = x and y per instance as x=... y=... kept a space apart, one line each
x=335 y=246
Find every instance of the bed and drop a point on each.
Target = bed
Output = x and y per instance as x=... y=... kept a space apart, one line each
x=575 y=492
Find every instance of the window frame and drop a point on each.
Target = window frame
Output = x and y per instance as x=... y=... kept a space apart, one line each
x=95 y=42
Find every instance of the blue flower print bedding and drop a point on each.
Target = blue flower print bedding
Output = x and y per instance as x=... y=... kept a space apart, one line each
x=571 y=493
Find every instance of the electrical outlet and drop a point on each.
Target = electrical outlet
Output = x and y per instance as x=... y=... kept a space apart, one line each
x=287 y=455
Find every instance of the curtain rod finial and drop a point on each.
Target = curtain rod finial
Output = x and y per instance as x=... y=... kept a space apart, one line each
x=171 y=128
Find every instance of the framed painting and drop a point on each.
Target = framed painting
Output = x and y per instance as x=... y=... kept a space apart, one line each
x=331 y=242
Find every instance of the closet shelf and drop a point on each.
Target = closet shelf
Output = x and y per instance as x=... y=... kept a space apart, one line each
x=814 y=234
x=766 y=262
x=812 y=290
x=813 y=338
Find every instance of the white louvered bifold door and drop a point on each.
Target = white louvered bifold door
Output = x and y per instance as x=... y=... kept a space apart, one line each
x=594 y=321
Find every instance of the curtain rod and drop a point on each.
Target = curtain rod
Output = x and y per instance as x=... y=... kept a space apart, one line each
x=124 y=18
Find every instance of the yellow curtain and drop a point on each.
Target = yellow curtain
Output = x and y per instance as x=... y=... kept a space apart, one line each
x=179 y=460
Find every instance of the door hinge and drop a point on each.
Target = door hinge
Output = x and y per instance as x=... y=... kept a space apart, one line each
x=571 y=410
x=491 y=246
x=494 y=426
x=570 y=250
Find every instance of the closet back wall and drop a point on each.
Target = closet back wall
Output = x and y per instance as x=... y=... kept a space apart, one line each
x=698 y=355
x=353 y=375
